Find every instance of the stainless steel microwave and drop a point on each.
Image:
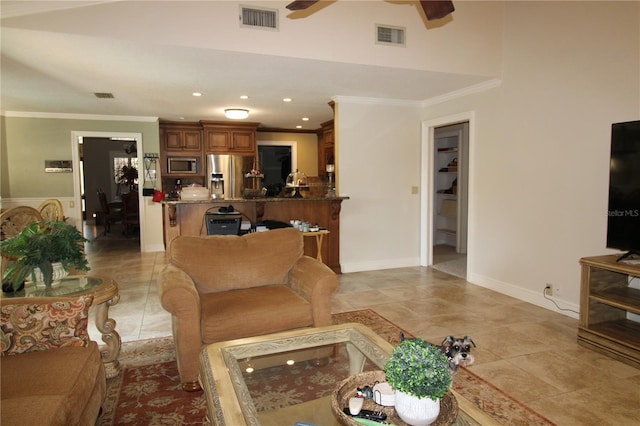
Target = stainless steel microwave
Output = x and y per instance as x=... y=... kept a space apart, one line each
x=182 y=165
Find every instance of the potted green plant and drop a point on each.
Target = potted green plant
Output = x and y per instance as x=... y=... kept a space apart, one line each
x=38 y=248
x=127 y=175
x=419 y=373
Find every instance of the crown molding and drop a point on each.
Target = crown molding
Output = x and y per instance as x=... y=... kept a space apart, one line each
x=476 y=88
x=376 y=101
x=66 y=116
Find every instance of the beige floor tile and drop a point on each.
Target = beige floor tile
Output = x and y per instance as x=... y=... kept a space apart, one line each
x=527 y=351
x=566 y=373
x=519 y=383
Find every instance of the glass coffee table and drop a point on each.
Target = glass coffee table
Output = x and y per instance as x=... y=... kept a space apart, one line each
x=287 y=378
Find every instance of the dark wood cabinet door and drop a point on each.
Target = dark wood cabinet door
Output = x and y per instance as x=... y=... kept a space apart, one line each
x=191 y=140
x=172 y=139
x=243 y=141
x=216 y=140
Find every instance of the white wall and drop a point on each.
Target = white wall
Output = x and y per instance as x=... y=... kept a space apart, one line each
x=541 y=154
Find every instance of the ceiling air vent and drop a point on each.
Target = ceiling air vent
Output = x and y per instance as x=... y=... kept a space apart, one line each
x=386 y=34
x=103 y=95
x=254 y=17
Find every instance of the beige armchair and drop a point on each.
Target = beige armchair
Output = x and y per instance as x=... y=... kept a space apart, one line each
x=223 y=287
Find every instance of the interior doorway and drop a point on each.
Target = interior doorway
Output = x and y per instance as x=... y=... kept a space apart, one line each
x=123 y=148
x=446 y=167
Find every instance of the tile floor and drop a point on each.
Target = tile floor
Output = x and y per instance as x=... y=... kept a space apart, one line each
x=527 y=351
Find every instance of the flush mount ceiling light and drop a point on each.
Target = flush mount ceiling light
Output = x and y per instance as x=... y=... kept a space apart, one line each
x=236 y=113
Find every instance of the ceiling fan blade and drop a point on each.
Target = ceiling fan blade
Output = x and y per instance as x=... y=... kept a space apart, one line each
x=301 y=4
x=434 y=9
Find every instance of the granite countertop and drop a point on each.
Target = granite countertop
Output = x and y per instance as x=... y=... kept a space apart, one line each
x=252 y=200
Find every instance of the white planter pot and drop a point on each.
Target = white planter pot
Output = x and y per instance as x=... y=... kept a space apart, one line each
x=416 y=411
x=58 y=274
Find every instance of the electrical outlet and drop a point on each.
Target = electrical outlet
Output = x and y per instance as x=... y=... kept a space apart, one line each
x=548 y=290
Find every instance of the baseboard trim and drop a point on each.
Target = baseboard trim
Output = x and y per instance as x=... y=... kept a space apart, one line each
x=526 y=295
x=379 y=264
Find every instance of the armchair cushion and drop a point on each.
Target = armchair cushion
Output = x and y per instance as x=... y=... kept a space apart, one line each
x=258 y=260
x=43 y=324
x=273 y=308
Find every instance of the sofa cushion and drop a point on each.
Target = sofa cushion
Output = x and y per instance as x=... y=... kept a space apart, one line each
x=225 y=262
x=56 y=387
x=43 y=324
x=251 y=312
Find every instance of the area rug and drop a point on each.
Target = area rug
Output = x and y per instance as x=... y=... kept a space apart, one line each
x=148 y=391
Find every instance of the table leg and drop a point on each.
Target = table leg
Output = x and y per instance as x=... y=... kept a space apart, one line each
x=319 y=239
x=107 y=326
x=356 y=359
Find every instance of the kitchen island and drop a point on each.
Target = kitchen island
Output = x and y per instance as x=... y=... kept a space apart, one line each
x=186 y=217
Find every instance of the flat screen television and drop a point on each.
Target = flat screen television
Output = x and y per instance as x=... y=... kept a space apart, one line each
x=623 y=224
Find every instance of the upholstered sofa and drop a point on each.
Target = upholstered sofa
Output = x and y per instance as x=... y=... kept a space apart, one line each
x=51 y=373
x=223 y=287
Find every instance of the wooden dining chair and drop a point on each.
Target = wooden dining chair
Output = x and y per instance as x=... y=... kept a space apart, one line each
x=131 y=212
x=109 y=213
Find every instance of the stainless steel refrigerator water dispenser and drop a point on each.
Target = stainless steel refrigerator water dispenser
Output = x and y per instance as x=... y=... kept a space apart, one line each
x=216 y=186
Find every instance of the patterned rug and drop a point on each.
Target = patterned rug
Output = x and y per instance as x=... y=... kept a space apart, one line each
x=148 y=391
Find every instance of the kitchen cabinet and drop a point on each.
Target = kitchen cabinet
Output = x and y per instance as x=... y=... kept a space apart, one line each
x=610 y=308
x=326 y=147
x=223 y=138
x=181 y=137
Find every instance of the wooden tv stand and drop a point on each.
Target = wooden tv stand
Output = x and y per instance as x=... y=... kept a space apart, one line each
x=606 y=299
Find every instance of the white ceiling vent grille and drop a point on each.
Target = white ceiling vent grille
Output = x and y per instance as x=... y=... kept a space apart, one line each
x=254 y=17
x=386 y=34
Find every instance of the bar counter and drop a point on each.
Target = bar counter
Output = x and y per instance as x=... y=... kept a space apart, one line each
x=186 y=217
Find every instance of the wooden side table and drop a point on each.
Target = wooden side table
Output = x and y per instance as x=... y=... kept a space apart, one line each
x=105 y=294
x=319 y=238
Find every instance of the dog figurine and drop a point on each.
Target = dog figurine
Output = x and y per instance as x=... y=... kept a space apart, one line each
x=457 y=350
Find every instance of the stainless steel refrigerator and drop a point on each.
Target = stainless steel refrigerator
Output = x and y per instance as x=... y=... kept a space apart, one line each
x=225 y=174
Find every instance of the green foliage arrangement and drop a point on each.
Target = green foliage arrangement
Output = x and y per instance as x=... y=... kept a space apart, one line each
x=419 y=368
x=39 y=245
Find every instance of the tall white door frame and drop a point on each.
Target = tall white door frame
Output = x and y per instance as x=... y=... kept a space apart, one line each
x=427 y=186
x=75 y=156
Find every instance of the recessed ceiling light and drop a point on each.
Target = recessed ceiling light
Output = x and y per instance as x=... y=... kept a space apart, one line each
x=287 y=100
x=305 y=118
x=244 y=97
x=298 y=127
x=197 y=94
